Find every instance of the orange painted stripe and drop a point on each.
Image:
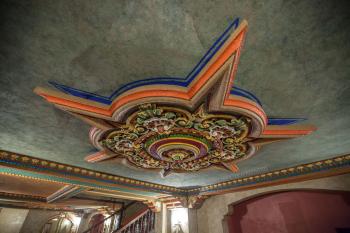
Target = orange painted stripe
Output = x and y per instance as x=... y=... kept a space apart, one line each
x=228 y=102
x=96 y=156
x=194 y=89
x=77 y=105
x=235 y=65
x=149 y=93
x=109 y=112
x=154 y=93
x=245 y=105
x=217 y=64
x=287 y=132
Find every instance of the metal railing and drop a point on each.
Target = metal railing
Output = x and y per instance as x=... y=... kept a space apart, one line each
x=116 y=219
x=143 y=223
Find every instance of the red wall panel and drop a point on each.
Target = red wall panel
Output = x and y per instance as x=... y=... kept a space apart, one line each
x=292 y=212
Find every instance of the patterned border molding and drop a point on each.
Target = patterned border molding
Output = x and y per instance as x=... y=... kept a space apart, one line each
x=328 y=167
x=29 y=201
x=143 y=194
x=34 y=206
x=10 y=159
x=19 y=196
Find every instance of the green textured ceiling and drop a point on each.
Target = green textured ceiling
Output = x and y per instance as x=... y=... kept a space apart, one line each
x=296 y=59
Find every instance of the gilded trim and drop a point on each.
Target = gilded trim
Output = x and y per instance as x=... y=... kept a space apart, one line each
x=19 y=196
x=333 y=166
x=70 y=173
x=24 y=166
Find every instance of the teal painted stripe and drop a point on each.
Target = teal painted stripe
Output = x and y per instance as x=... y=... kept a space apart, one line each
x=31 y=166
x=345 y=163
x=14 y=171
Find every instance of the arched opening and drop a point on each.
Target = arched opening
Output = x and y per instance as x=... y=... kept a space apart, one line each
x=62 y=223
x=299 y=211
x=95 y=223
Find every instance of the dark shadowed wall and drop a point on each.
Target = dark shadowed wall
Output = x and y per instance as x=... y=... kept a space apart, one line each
x=293 y=211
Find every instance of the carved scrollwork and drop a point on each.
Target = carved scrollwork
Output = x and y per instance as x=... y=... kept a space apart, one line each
x=171 y=138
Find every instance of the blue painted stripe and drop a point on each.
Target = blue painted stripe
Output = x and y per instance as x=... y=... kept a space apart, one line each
x=241 y=92
x=81 y=94
x=105 y=100
x=188 y=79
x=164 y=80
x=284 y=121
x=212 y=50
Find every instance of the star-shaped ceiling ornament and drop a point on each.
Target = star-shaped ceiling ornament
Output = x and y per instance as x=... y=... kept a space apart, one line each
x=180 y=124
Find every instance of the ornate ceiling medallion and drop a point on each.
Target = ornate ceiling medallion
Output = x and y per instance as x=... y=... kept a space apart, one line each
x=171 y=138
x=180 y=124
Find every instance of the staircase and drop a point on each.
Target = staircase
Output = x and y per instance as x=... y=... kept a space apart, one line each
x=141 y=222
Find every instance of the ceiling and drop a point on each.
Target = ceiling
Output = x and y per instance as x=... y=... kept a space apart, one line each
x=34 y=193
x=13 y=184
x=296 y=60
